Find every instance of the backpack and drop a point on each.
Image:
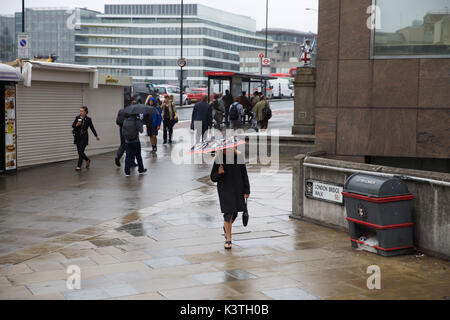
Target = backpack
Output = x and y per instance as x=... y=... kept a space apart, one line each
x=267 y=113
x=234 y=114
x=129 y=129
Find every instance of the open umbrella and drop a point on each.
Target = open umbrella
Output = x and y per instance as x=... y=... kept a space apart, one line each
x=214 y=144
x=137 y=109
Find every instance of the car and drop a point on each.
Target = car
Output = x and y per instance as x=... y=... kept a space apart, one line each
x=196 y=95
x=140 y=93
x=164 y=90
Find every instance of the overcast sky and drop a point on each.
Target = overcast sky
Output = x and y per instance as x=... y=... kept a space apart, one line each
x=289 y=14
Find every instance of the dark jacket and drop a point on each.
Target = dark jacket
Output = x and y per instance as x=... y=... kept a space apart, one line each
x=231 y=186
x=245 y=102
x=228 y=100
x=81 y=133
x=202 y=112
x=121 y=116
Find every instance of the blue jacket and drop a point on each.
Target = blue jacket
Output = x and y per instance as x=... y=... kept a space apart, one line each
x=156 y=118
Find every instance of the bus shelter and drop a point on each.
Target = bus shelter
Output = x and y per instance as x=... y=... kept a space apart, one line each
x=238 y=81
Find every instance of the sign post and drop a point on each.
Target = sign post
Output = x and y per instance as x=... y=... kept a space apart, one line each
x=261 y=57
x=23 y=46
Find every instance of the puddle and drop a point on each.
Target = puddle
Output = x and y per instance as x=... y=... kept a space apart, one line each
x=108 y=243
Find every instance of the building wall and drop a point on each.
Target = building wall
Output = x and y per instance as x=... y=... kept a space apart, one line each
x=143 y=41
x=7 y=36
x=52 y=31
x=376 y=107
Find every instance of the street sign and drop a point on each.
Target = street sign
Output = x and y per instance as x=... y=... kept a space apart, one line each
x=266 y=62
x=324 y=191
x=23 y=45
x=181 y=62
x=261 y=55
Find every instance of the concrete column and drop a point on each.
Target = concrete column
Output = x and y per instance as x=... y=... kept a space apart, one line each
x=305 y=85
x=297 y=187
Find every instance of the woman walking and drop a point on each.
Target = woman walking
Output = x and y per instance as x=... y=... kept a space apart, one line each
x=169 y=115
x=233 y=187
x=80 y=127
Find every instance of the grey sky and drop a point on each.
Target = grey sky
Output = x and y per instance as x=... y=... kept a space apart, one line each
x=289 y=14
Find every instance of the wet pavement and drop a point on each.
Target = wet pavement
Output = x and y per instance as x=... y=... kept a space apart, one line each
x=160 y=236
x=40 y=204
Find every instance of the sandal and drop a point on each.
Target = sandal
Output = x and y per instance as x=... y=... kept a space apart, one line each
x=77 y=169
x=229 y=243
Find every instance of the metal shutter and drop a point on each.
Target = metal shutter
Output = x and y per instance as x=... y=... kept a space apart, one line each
x=45 y=113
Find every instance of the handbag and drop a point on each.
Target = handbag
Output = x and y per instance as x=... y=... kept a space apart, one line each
x=245 y=215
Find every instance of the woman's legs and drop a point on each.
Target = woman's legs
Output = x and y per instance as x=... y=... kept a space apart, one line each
x=165 y=129
x=228 y=225
x=171 y=125
x=81 y=155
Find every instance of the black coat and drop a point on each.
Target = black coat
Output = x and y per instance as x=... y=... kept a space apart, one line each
x=231 y=186
x=81 y=133
x=202 y=112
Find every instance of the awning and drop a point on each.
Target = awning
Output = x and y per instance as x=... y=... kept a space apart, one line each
x=246 y=77
x=28 y=67
x=8 y=73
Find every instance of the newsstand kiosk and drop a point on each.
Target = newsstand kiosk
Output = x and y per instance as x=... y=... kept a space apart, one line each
x=8 y=128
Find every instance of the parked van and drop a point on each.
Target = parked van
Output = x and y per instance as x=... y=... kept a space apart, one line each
x=168 y=90
x=279 y=88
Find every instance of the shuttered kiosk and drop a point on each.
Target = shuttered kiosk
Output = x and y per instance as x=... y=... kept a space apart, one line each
x=380 y=206
x=49 y=98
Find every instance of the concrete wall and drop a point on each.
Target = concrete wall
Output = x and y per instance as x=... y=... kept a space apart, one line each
x=381 y=107
x=431 y=205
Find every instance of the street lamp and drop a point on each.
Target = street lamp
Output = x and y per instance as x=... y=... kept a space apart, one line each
x=181 y=68
x=267 y=24
x=23 y=15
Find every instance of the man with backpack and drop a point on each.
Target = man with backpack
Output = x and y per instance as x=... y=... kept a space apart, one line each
x=131 y=128
x=262 y=112
x=236 y=114
x=121 y=116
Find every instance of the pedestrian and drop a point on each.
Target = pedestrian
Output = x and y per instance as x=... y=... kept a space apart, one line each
x=228 y=101
x=256 y=98
x=169 y=115
x=218 y=109
x=153 y=123
x=131 y=128
x=233 y=187
x=121 y=116
x=80 y=127
x=236 y=114
x=202 y=112
x=262 y=112
x=245 y=102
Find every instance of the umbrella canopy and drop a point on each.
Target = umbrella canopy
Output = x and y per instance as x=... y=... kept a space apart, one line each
x=137 y=109
x=214 y=144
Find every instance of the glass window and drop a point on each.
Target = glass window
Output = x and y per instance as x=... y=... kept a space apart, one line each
x=412 y=28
